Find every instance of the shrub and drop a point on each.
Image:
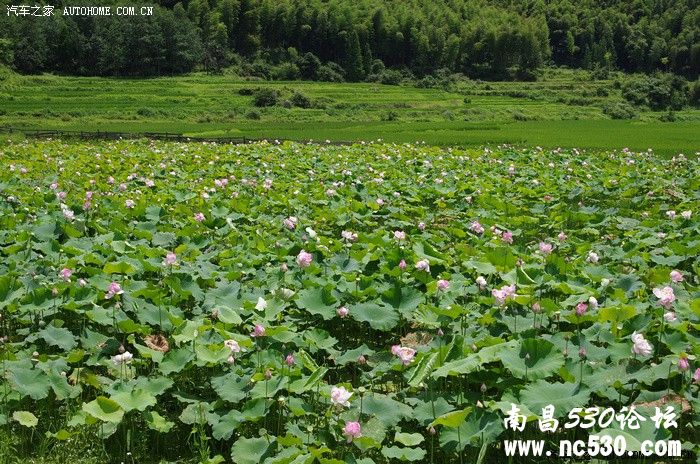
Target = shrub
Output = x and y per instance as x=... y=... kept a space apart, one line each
x=600 y=73
x=300 y=100
x=145 y=112
x=246 y=91
x=256 y=69
x=377 y=67
x=428 y=82
x=285 y=72
x=619 y=110
x=308 y=65
x=668 y=117
x=265 y=97
x=517 y=94
x=391 y=77
x=694 y=97
x=390 y=116
x=658 y=92
x=253 y=114
x=330 y=72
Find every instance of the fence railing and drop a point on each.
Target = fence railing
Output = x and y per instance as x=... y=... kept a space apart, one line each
x=106 y=135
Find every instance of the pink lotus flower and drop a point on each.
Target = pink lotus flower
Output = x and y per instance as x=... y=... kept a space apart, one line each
x=423 y=265
x=352 y=430
x=476 y=227
x=233 y=346
x=671 y=214
x=349 y=236
x=676 y=276
x=199 y=217
x=581 y=309
x=402 y=265
x=421 y=226
x=289 y=360
x=593 y=302
x=640 y=345
x=65 y=274
x=88 y=195
x=404 y=353
x=592 y=257
x=61 y=195
x=481 y=282
x=399 y=235
x=304 y=259
x=536 y=308
x=113 y=289
x=503 y=294
x=67 y=213
x=380 y=202
x=110 y=180
x=686 y=214
x=443 y=285
x=670 y=316
x=683 y=364
x=53 y=186
x=258 y=331
x=507 y=237
x=342 y=312
x=290 y=223
x=562 y=237
x=340 y=396
x=665 y=296
x=82 y=282
x=123 y=358
x=696 y=375
x=170 y=259
x=545 y=248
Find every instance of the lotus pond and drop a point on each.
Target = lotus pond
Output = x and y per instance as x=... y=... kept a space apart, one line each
x=374 y=303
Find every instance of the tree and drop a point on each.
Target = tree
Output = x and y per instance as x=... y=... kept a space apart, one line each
x=30 y=47
x=308 y=64
x=354 y=63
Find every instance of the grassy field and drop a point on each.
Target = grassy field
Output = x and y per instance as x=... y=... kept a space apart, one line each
x=564 y=108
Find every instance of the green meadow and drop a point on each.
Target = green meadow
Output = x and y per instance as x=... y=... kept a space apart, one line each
x=563 y=108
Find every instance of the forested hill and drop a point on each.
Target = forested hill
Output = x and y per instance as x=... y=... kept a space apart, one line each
x=351 y=40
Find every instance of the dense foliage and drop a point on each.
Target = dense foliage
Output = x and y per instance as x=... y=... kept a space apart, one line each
x=336 y=39
x=170 y=297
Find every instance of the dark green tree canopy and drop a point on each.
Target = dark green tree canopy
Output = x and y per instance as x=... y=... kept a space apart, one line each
x=493 y=39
